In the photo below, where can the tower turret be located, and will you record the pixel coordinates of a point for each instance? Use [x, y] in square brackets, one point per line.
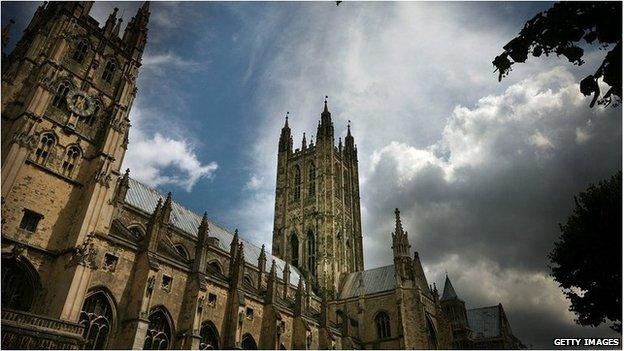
[285, 141]
[400, 241]
[135, 35]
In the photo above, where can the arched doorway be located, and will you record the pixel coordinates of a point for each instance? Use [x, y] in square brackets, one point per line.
[97, 318]
[159, 331]
[248, 343]
[20, 282]
[209, 337]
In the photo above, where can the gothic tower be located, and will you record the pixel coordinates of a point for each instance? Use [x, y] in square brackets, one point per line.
[317, 224]
[68, 87]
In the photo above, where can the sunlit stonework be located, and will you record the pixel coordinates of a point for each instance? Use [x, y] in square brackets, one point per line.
[92, 258]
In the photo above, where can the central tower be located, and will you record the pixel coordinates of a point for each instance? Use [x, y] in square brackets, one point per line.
[317, 224]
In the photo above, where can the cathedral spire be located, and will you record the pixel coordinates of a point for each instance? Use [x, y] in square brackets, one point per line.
[285, 141]
[326, 127]
[449, 292]
[304, 144]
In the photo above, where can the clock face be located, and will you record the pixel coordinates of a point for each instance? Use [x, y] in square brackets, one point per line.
[80, 103]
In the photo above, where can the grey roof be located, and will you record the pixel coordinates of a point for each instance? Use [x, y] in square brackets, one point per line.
[449, 291]
[485, 321]
[145, 199]
[374, 280]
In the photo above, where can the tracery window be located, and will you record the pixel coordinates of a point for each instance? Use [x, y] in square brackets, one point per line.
[60, 95]
[158, 335]
[337, 182]
[209, 337]
[71, 160]
[382, 322]
[294, 250]
[109, 71]
[182, 251]
[81, 51]
[43, 149]
[215, 267]
[311, 254]
[97, 318]
[248, 342]
[297, 193]
[312, 180]
[18, 289]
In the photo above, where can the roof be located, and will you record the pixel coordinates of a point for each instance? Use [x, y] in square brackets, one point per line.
[485, 321]
[145, 199]
[449, 292]
[374, 280]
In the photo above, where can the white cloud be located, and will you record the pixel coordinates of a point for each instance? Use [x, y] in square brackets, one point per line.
[161, 160]
[254, 182]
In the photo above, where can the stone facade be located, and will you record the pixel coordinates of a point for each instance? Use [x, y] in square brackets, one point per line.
[92, 258]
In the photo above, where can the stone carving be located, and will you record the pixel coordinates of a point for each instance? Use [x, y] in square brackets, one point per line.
[84, 254]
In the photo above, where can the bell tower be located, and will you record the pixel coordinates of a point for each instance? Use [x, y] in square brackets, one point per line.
[68, 87]
[317, 225]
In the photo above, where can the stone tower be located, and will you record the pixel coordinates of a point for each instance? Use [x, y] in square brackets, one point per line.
[317, 224]
[68, 87]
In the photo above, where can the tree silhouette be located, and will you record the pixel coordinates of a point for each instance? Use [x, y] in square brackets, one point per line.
[560, 30]
[587, 259]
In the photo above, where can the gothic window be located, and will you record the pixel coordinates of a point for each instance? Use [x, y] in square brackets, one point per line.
[18, 285]
[136, 231]
[431, 334]
[382, 322]
[337, 183]
[248, 282]
[349, 254]
[297, 183]
[294, 250]
[60, 95]
[97, 318]
[346, 183]
[248, 342]
[81, 50]
[158, 336]
[43, 149]
[109, 71]
[312, 180]
[209, 337]
[30, 221]
[215, 267]
[311, 254]
[71, 160]
[182, 251]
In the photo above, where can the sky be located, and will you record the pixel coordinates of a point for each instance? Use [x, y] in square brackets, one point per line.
[483, 171]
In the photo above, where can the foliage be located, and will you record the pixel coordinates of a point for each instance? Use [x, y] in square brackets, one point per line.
[587, 259]
[560, 30]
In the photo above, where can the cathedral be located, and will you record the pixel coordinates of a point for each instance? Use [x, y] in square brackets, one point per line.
[94, 259]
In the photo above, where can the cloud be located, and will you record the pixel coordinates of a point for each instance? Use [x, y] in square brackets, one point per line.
[168, 61]
[161, 160]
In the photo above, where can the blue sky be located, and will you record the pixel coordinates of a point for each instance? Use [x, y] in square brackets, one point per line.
[483, 171]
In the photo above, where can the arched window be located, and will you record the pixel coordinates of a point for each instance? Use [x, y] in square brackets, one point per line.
[18, 285]
[158, 335]
[81, 51]
[297, 182]
[214, 267]
[248, 343]
[248, 282]
[209, 337]
[337, 182]
[71, 160]
[382, 322]
[109, 71]
[431, 334]
[311, 254]
[294, 250]
[97, 318]
[182, 251]
[61, 94]
[312, 179]
[44, 147]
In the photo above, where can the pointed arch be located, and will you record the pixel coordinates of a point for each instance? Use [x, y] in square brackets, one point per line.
[294, 249]
[181, 249]
[60, 95]
[44, 147]
[109, 70]
[432, 337]
[209, 336]
[297, 172]
[137, 230]
[20, 283]
[311, 250]
[311, 179]
[160, 330]
[98, 317]
[215, 267]
[248, 342]
[382, 325]
[72, 157]
[81, 50]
